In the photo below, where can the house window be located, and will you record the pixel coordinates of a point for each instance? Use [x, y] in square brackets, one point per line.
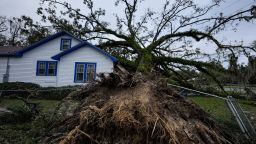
[41, 68]
[80, 73]
[90, 71]
[51, 68]
[85, 72]
[46, 68]
[65, 44]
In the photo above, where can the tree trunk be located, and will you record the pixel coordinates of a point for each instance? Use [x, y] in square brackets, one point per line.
[145, 62]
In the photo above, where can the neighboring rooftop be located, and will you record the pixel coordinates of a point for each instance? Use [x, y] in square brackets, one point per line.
[9, 50]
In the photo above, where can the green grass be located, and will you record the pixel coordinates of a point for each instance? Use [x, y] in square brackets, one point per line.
[248, 105]
[45, 105]
[28, 132]
[216, 107]
[219, 109]
[16, 133]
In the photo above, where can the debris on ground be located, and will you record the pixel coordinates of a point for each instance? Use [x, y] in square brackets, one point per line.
[120, 109]
[4, 110]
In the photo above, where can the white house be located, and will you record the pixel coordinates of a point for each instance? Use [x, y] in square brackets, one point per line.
[58, 60]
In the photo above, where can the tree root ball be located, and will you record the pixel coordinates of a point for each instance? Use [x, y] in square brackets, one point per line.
[148, 112]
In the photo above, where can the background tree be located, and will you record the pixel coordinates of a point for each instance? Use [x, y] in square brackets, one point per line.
[159, 41]
[15, 38]
[3, 28]
[33, 31]
[21, 31]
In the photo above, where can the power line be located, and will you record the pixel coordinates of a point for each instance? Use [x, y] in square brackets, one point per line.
[228, 6]
[236, 10]
[247, 5]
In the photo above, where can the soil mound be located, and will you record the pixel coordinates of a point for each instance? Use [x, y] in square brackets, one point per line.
[139, 112]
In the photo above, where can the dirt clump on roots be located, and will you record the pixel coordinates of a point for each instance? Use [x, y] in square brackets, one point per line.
[138, 112]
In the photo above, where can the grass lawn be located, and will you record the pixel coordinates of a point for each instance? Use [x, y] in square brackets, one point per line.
[248, 105]
[27, 132]
[17, 133]
[219, 109]
[45, 105]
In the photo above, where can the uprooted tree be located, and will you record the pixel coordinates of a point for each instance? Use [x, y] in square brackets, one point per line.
[159, 40]
[121, 109]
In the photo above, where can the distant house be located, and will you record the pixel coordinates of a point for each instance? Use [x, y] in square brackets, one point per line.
[58, 60]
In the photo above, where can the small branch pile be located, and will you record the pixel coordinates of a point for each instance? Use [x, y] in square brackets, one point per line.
[143, 111]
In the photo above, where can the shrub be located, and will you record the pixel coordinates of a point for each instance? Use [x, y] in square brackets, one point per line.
[28, 132]
[42, 93]
[55, 93]
[17, 86]
[19, 114]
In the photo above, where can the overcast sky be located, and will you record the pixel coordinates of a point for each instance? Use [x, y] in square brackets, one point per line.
[246, 31]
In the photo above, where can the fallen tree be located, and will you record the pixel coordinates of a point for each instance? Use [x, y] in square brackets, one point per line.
[161, 39]
[132, 109]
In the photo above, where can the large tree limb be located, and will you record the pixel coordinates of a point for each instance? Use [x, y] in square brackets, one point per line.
[91, 18]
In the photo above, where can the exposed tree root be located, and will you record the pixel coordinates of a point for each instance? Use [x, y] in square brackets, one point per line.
[147, 112]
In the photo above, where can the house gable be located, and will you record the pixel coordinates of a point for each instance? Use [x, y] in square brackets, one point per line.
[84, 55]
[45, 40]
[81, 45]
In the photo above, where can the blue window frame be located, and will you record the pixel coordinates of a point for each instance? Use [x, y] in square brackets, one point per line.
[84, 72]
[46, 68]
[65, 43]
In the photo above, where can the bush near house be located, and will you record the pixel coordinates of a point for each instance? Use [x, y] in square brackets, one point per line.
[34, 91]
[18, 114]
[22, 126]
[17, 86]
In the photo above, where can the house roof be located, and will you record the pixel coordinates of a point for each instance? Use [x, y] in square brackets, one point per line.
[19, 52]
[58, 56]
[45, 40]
[9, 50]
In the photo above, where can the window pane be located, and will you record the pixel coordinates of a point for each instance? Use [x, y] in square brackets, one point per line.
[51, 68]
[41, 65]
[41, 68]
[90, 77]
[64, 47]
[80, 68]
[90, 72]
[65, 44]
[80, 72]
[79, 77]
[51, 72]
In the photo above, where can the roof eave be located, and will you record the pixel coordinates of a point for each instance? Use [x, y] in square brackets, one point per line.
[10, 55]
[58, 56]
[55, 58]
[47, 39]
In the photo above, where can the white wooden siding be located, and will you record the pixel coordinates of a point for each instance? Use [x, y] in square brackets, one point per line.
[23, 69]
[66, 65]
[3, 63]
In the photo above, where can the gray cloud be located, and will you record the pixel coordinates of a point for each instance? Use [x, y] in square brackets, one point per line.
[245, 31]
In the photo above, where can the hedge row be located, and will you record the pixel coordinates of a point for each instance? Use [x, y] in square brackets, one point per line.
[40, 92]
